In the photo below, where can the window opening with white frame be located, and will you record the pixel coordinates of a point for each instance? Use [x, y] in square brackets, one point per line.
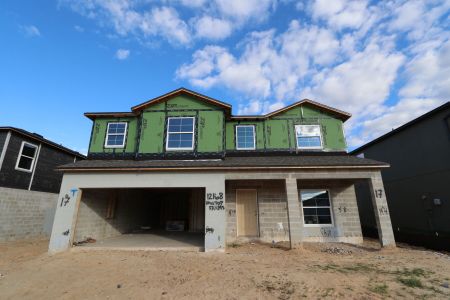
[180, 133]
[27, 156]
[316, 205]
[115, 135]
[245, 137]
[308, 136]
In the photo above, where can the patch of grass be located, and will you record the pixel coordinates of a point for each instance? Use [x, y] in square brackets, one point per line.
[410, 282]
[381, 289]
[359, 267]
[417, 272]
[235, 245]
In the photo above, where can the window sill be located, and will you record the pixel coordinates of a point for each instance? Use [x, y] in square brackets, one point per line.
[24, 170]
[114, 147]
[318, 225]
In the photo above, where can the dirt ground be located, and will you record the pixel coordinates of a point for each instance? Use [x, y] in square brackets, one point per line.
[253, 271]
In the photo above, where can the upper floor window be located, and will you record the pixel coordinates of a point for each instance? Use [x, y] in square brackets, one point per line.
[115, 135]
[316, 207]
[180, 133]
[245, 137]
[26, 158]
[308, 136]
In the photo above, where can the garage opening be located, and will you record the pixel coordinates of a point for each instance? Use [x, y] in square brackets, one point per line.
[156, 218]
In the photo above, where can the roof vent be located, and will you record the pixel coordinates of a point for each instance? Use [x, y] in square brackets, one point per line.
[38, 135]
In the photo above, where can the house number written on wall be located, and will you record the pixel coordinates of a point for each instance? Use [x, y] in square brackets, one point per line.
[379, 193]
[214, 201]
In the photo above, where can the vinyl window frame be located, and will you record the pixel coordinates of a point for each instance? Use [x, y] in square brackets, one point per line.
[313, 147]
[124, 135]
[183, 132]
[254, 137]
[330, 207]
[33, 159]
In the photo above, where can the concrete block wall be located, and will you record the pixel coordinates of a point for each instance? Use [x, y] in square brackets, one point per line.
[347, 226]
[92, 221]
[26, 214]
[272, 210]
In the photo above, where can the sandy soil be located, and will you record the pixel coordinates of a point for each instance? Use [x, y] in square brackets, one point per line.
[318, 271]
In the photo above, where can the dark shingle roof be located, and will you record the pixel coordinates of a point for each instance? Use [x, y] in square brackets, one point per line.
[40, 138]
[256, 162]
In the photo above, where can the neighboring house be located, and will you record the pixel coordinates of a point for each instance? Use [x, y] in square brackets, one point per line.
[418, 181]
[28, 161]
[29, 183]
[182, 161]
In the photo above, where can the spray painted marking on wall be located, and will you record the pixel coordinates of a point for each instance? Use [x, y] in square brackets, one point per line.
[379, 193]
[64, 200]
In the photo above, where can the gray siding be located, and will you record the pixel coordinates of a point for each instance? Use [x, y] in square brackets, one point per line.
[420, 172]
[46, 179]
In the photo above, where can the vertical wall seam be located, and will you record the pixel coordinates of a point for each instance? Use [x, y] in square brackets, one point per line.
[35, 165]
[5, 146]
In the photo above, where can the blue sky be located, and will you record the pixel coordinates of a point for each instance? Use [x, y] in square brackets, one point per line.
[385, 62]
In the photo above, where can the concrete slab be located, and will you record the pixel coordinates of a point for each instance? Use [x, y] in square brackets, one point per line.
[149, 241]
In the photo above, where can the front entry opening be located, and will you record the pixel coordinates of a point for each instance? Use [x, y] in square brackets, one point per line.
[141, 218]
[246, 210]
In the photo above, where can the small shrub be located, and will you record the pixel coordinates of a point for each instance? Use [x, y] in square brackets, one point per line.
[381, 289]
[411, 282]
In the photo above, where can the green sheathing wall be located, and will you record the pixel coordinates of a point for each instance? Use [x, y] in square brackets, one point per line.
[98, 137]
[152, 132]
[210, 131]
[278, 132]
[332, 133]
[209, 124]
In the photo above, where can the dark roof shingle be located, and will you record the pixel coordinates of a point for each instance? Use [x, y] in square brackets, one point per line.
[256, 162]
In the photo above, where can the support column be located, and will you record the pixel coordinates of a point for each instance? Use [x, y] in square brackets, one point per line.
[65, 217]
[381, 210]
[295, 214]
[215, 217]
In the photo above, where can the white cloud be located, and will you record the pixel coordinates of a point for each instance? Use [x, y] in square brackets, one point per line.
[242, 11]
[127, 19]
[78, 28]
[30, 30]
[167, 23]
[122, 54]
[268, 63]
[362, 81]
[351, 55]
[212, 28]
[392, 117]
[341, 13]
[213, 20]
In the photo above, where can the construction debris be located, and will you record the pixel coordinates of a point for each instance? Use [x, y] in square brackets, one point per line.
[337, 250]
[87, 240]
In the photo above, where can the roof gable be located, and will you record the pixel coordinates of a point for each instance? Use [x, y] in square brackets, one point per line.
[180, 92]
[344, 116]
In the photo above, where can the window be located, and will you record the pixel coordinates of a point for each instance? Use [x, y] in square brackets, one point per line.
[27, 155]
[316, 207]
[245, 137]
[115, 136]
[180, 133]
[308, 136]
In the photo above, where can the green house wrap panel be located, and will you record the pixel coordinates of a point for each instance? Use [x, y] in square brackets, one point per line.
[152, 132]
[333, 134]
[277, 134]
[99, 135]
[210, 131]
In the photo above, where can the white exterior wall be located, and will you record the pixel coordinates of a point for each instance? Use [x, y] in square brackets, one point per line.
[73, 184]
